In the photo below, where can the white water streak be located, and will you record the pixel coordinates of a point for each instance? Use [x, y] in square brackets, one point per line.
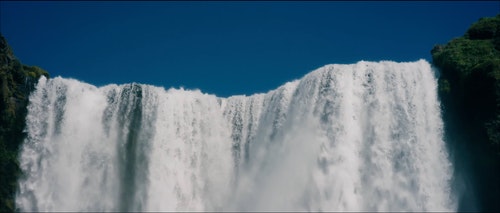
[361, 137]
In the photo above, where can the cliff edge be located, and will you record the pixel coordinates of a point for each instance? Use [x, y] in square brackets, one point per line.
[469, 89]
[16, 83]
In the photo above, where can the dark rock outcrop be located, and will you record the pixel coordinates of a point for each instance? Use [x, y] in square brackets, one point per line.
[16, 83]
[469, 89]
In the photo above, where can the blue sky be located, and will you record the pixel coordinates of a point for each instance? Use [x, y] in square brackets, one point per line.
[225, 48]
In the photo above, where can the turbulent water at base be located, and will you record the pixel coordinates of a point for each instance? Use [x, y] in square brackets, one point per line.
[360, 137]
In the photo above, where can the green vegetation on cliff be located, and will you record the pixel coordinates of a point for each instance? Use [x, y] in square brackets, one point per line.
[470, 74]
[469, 89]
[16, 82]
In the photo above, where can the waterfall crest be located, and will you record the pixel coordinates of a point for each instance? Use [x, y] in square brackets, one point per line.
[360, 137]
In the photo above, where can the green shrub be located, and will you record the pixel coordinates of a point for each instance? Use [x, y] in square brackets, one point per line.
[485, 28]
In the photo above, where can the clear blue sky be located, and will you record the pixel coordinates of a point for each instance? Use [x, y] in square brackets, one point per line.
[225, 48]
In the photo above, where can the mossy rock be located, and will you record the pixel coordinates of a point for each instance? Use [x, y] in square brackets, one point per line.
[16, 83]
[35, 72]
[485, 28]
[444, 86]
[469, 90]
[461, 55]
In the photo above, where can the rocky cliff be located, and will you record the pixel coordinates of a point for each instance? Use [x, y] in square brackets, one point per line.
[469, 89]
[16, 82]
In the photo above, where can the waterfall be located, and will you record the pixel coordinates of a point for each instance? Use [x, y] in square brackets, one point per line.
[360, 137]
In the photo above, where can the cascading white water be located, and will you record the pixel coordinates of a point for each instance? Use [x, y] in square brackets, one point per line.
[361, 137]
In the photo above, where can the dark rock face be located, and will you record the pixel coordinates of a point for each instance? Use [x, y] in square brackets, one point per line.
[469, 88]
[16, 83]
